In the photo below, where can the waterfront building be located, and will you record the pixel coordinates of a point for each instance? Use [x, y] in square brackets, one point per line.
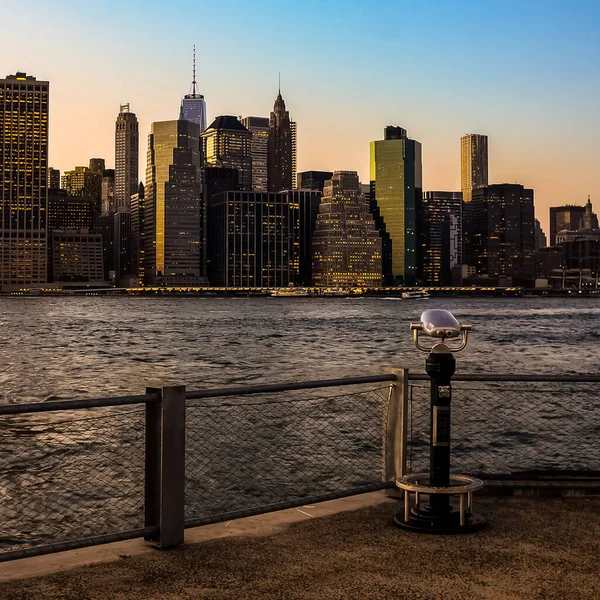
[540, 236]
[138, 234]
[548, 259]
[193, 106]
[294, 132]
[23, 180]
[396, 190]
[69, 212]
[440, 238]
[126, 158]
[108, 192]
[313, 180]
[122, 248]
[473, 163]
[280, 148]
[503, 234]
[174, 252]
[306, 205]
[227, 143]
[76, 256]
[565, 218]
[346, 244]
[259, 127]
[53, 179]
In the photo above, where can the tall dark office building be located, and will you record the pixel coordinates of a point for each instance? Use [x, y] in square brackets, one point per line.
[227, 143]
[122, 248]
[440, 238]
[565, 218]
[540, 236]
[174, 252]
[503, 234]
[69, 212]
[108, 192]
[53, 179]
[23, 180]
[280, 161]
[313, 180]
[396, 190]
[138, 234]
[259, 127]
[126, 157]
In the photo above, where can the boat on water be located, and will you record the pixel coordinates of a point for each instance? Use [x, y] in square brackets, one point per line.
[415, 295]
[289, 294]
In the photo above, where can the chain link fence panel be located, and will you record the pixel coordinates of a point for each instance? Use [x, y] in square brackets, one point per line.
[63, 477]
[243, 453]
[511, 428]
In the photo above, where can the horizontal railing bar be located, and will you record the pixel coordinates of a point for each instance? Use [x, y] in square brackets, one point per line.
[261, 510]
[285, 387]
[38, 407]
[491, 377]
[76, 544]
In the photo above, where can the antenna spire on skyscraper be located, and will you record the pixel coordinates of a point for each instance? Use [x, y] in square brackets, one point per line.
[194, 73]
[280, 83]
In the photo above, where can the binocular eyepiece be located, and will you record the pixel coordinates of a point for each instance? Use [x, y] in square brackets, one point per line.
[440, 324]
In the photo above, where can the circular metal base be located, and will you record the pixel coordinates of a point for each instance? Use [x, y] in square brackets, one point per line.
[422, 520]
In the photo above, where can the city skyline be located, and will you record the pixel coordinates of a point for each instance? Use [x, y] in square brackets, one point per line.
[525, 97]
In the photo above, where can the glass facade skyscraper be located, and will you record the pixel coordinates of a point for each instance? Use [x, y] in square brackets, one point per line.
[396, 190]
[346, 244]
[193, 106]
[174, 252]
[23, 180]
[259, 127]
[473, 163]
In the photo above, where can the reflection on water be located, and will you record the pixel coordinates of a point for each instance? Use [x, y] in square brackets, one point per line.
[98, 346]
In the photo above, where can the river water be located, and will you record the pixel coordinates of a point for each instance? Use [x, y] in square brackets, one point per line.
[92, 346]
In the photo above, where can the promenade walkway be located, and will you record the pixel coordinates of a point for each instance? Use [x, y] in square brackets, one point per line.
[533, 548]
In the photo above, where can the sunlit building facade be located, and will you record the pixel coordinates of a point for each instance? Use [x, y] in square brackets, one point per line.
[23, 180]
[259, 127]
[126, 157]
[84, 181]
[346, 244]
[227, 143]
[396, 190]
[565, 218]
[174, 253]
[473, 163]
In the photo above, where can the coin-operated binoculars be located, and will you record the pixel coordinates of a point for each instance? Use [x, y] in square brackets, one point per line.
[438, 514]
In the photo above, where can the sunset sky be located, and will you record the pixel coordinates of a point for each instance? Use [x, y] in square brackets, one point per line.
[526, 73]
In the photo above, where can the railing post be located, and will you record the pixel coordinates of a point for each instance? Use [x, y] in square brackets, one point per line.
[396, 427]
[165, 501]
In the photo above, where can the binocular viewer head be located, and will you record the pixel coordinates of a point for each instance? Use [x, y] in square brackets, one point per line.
[440, 324]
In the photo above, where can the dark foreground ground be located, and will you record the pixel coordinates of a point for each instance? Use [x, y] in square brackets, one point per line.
[532, 548]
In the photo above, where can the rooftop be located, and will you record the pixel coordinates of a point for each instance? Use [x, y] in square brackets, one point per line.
[532, 548]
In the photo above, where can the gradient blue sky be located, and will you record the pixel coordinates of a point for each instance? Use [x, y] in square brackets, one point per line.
[526, 73]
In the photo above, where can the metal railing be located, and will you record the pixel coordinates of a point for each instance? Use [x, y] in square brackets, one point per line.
[84, 472]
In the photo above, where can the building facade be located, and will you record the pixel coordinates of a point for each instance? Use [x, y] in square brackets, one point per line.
[122, 248]
[503, 234]
[24, 105]
[174, 252]
[69, 212]
[53, 179]
[440, 238]
[76, 256]
[227, 143]
[126, 157]
[565, 218]
[83, 181]
[193, 105]
[346, 244]
[138, 234]
[396, 191]
[259, 127]
[294, 131]
[313, 180]
[280, 148]
[109, 206]
[473, 163]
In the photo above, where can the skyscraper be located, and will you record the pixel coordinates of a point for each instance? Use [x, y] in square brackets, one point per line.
[174, 252]
[193, 106]
[53, 179]
[280, 148]
[440, 237]
[294, 130]
[126, 157]
[108, 192]
[346, 244]
[396, 190]
[23, 180]
[313, 180]
[227, 143]
[259, 127]
[138, 234]
[565, 218]
[83, 181]
[473, 163]
[504, 234]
